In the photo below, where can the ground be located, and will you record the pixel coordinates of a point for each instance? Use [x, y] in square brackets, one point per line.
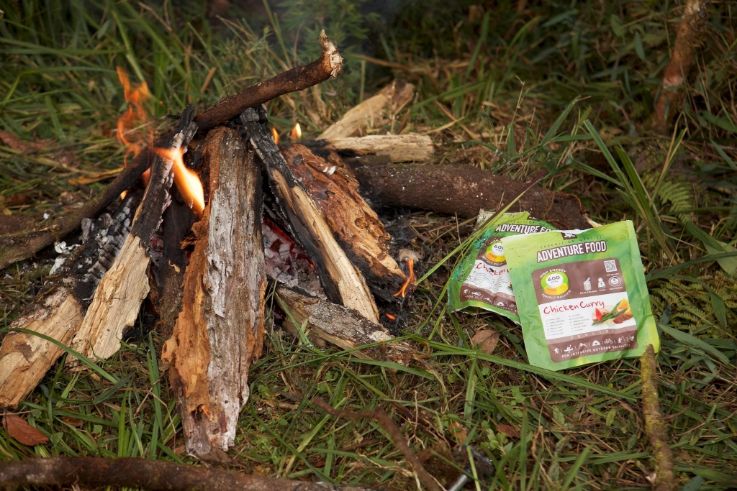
[509, 87]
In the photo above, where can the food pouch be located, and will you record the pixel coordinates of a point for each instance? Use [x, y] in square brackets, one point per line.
[481, 279]
[581, 295]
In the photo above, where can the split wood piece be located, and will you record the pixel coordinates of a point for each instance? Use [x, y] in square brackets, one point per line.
[342, 280]
[334, 189]
[409, 147]
[57, 313]
[463, 190]
[373, 112]
[19, 246]
[124, 286]
[153, 475]
[327, 66]
[220, 329]
[338, 325]
[688, 38]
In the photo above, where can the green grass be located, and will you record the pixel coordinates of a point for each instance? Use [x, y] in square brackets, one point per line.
[563, 87]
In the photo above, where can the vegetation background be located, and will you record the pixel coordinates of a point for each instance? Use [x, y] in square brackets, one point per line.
[512, 87]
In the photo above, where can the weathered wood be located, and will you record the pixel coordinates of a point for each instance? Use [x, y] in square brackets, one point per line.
[329, 322]
[153, 475]
[359, 231]
[58, 311]
[123, 288]
[328, 65]
[342, 281]
[408, 147]
[373, 112]
[219, 331]
[463, 190]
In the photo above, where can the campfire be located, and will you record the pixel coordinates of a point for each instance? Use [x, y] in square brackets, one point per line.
[245, 211]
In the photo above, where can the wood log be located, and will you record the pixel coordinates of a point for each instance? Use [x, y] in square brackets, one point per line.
[342, 281]
[153, 475]
[463, 190]
[124, 286]
[327, 66]
[356, 226]
[408, 147]
[220, 329]
[373, 112]
[59, 309]
[332, 323]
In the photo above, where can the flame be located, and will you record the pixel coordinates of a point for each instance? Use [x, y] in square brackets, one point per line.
[410, 279]
[129, 133]
[275, 135]
[296, 133]
[187, 181]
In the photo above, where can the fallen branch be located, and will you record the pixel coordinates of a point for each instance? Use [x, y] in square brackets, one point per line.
[328, 65]
[17, 247]
[655, 427]
[408, 147]
[463, 190]
[386, 423]
[220, 328]
[688, 38]
[154, 475]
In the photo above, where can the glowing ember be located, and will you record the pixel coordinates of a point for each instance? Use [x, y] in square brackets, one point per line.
[187, 181]
[132, 128]
[275, 135]
[296, 132]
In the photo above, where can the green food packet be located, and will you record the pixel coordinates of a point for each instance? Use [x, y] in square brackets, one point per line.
[481, 279]
[581, 295]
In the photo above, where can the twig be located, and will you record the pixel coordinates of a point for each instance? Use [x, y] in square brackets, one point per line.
[328, 65]
[654, 425]
[688, 38]
[378, 415]
[154, 475]
[18, 247]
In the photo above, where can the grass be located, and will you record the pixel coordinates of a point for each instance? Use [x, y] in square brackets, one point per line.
[563, 87]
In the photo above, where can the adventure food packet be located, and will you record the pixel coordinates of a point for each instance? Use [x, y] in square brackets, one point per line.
[581, 295]
[481, 279]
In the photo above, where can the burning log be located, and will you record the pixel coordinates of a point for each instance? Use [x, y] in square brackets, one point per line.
[464, 189]
[409, 147]
[327, 66]
[123, 288]
[25, 357]
[342, 281]
[375, 111]
[338, 325]
[356, 226]
[219, 331]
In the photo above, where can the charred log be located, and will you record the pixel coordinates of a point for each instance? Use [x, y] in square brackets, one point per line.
[219, 331]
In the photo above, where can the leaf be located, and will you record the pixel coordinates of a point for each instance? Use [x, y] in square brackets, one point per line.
[508, 430]
[713, 246]
[22, 432]
[694, 342]
[485, 340]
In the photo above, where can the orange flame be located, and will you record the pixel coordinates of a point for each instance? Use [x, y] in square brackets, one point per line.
[128, 126]
[409, 281]
[275, 135]
[186, 180]
[296, 133]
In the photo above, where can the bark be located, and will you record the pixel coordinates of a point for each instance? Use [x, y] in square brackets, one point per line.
[220, 329]
[154, 475]
[58, 311]
[338, 325]
[463, 190]
[124, 286]
[409, 147]
[655, 427]
[356, 226]
[17, 247]
[373, 112]
[688, 39]
[327, 66]
[342, 281]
